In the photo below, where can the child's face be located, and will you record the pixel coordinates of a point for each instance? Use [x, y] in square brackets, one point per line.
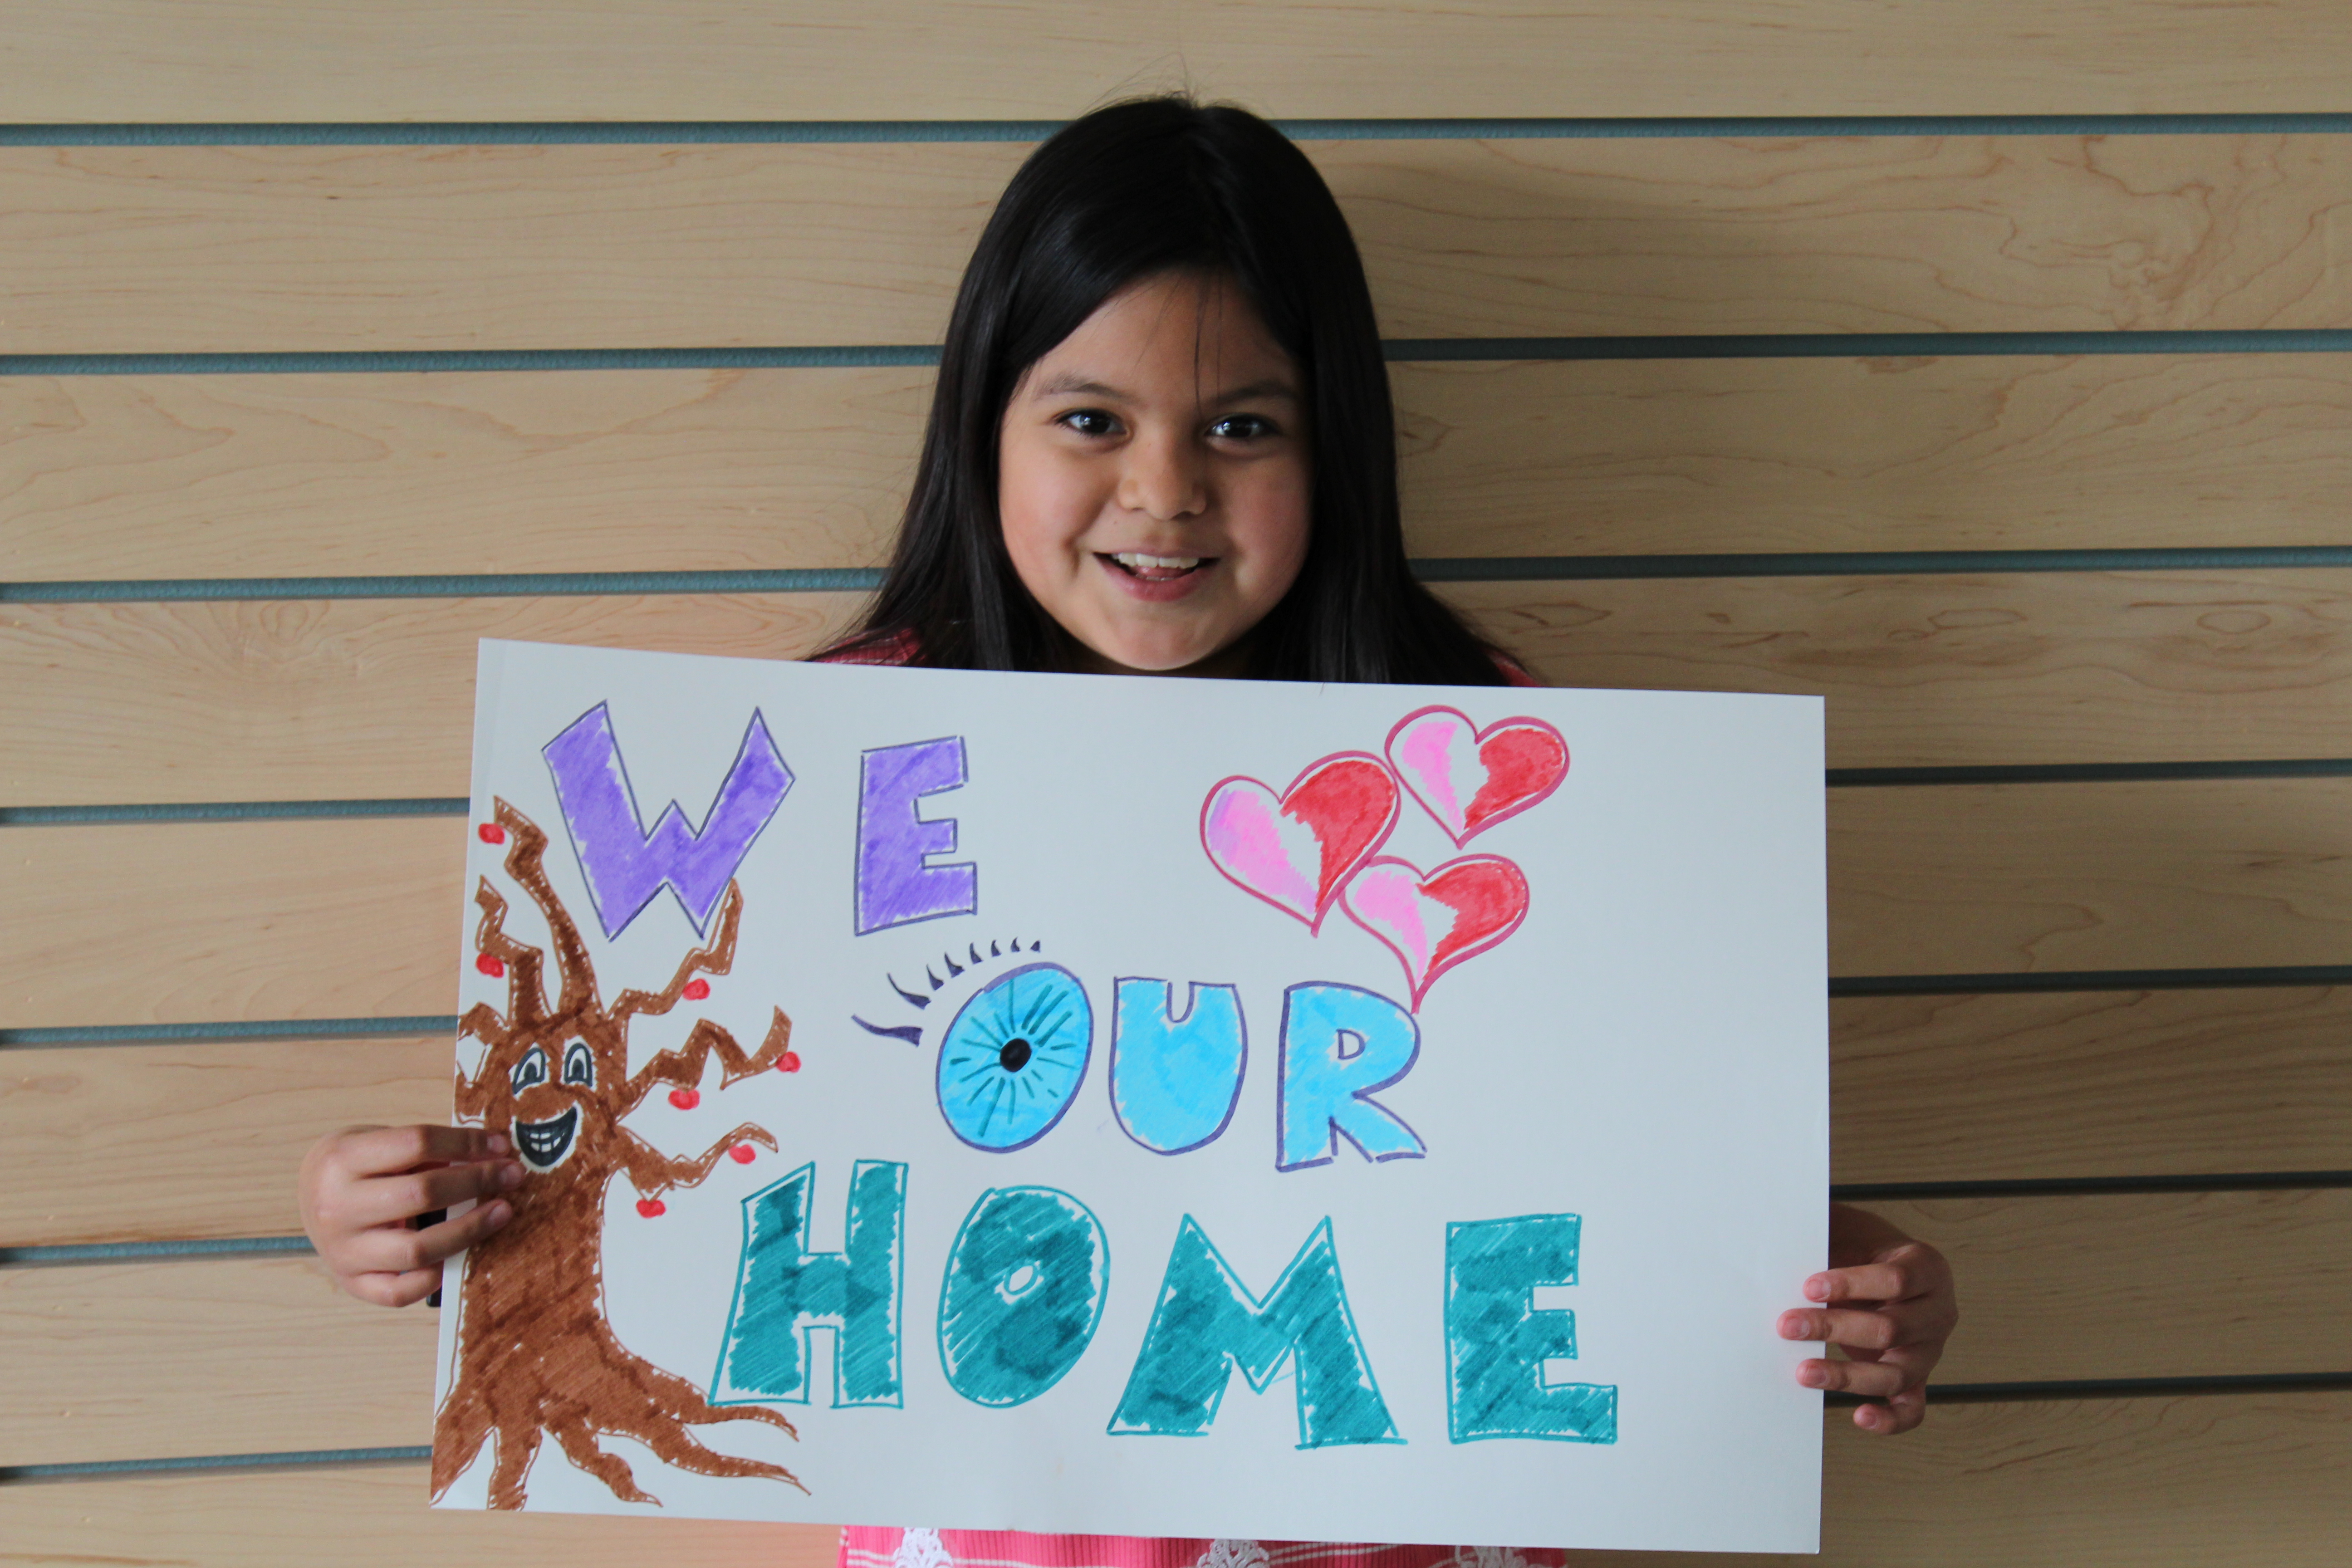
[1154, 481]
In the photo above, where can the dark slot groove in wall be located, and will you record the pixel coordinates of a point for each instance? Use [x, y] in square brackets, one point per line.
[1836, 778]
[348, 134]
[147, 1251]
[229, 811]
[2239, 979]
[2047, 1390]
[2089, 773]
[95, 1468]
[1442, 569]
[1870, 563]
[254, 1029]
[2009, 984]
[1693, 345]
[2092, 1186]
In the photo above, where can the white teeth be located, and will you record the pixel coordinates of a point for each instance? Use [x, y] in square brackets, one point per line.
[1135, 561]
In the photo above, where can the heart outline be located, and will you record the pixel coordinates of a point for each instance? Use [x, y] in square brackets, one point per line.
[1478, 739]
[1442, 959]
[1334, 881]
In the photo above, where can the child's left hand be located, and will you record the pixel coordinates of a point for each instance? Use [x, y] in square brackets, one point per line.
[1889, 1302]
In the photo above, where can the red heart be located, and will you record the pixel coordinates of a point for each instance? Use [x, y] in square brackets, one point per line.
[743, 1153]
[1471, 779]
[789, 1062]
[1347, 803]
[491, 833]
[1433, 922]
[696, 990]
[651, 1208]
[686, 1098]
[490, 966]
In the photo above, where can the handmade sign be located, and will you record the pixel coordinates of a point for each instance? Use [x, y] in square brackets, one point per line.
[1149, 1107]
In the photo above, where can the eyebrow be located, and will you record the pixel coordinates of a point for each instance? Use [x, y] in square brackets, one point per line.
[1070, 382]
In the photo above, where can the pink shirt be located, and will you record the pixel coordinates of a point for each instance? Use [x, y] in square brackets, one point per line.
[869, 1546]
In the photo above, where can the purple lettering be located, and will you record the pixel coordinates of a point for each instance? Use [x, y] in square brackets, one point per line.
[623, 863]
[894, 884]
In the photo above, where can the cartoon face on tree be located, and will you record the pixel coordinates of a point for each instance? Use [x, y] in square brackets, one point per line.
[536, 1357]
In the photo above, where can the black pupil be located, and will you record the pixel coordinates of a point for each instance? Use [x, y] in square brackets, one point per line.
[1015, 1056]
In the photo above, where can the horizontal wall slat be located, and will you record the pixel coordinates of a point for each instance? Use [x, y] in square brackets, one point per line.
[2087, 1084]
[356, 917]
[190, 1141]
[312, 248]
[360, 699]
[200, 1140]
[2002, 878]
[299, 475]
[155, 702]
[921, 59]
[125, 1360]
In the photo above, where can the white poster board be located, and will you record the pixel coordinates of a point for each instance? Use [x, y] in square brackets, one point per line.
[1143, 1106]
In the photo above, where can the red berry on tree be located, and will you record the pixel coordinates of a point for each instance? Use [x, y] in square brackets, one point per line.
[743, 1153]
[651, 1208]
[696, 990]
[491, 833]
[492, 966]
[789, 1062]
[686, 1098]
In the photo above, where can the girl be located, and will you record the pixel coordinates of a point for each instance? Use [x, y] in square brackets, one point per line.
[1161, 444]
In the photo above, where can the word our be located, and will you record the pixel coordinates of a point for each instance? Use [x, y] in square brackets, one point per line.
[1015, 1055]
[1022, 1294]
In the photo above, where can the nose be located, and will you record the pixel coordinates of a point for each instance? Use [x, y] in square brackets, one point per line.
[1164, 477]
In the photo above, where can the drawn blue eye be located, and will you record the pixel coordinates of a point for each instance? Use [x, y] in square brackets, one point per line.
[579, 1064]
[1014, 1058]
[532, 1070]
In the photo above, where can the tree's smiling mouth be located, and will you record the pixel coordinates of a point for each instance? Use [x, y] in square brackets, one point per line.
[543, 1144]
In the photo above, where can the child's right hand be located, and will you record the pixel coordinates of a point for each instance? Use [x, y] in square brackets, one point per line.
[360, 1187]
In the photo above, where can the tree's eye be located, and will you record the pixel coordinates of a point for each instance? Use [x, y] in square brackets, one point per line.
[579, 1065]
[1091, 422]
[1243, 428]
[532, 1070]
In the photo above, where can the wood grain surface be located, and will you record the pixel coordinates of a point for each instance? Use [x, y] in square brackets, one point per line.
[520, 246]
[1929, 1089]
[296, 475]
[191, 1140]
[892, 60]
[373, 698]
[165, 922]
[144, 1142]
[128, 1361]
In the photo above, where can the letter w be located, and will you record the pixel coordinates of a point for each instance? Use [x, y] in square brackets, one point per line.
[625, 865]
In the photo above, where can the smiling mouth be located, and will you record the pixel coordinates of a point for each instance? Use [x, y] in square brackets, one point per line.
[543, 1144]
[1156, 568]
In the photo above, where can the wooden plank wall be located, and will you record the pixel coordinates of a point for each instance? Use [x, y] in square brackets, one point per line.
[333, 338]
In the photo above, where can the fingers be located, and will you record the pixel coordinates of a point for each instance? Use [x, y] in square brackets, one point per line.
[385, 1199]
[404, 1289]
[389, 1249]
[388, 1150]
[1870, 1379]
[1899, 1413]
[1882, 1329]
[1904, 1273]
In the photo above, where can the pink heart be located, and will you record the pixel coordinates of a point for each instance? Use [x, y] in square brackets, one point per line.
[1297, 849]
[1433, 922]
[1472, 779]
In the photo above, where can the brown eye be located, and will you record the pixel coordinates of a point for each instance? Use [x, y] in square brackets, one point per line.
[1090, 422]
[1243, 428]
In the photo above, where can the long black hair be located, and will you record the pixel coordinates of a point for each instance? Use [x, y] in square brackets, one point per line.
[1137, 190]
